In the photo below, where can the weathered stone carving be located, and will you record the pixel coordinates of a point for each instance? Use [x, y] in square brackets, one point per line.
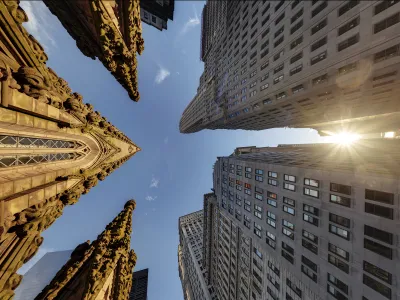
[110, 252]
[97, 35]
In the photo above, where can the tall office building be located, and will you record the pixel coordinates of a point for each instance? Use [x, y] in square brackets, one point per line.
[305, 222]
[139, 285]
[328, 65]
[41, 274]
[156, 13]
[190, 250]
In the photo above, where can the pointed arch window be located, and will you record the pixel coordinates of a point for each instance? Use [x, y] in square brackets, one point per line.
[26, 159]
[9, 141]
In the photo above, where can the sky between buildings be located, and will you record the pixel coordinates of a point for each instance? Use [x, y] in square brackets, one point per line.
[172, 172]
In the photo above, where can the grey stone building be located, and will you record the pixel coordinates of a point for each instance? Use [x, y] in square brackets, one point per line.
[305, 222]
[157, 12]
[328, 65]
[190, 251]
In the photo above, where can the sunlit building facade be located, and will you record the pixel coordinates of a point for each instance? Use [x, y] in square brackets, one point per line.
[305, 222]
[327, 65]
[190, 251]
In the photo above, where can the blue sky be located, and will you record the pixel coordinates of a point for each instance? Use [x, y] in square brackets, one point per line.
[172, 172]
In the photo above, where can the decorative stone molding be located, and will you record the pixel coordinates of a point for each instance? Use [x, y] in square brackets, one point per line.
[110, 252]
[96, 35]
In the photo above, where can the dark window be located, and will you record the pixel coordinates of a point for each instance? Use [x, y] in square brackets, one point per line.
[288, 257]
[319, 8]
[265, 20]
[320, 79]
[378, 234]
[339, 251]
[310, 246]
[311, 209]
[387, 53]
[296, 27]
[341, 188]
[296, 42]
[266, 9]
[377, 286]
[339, 231]
[274, 268]
[279, 31]
[348, 26]
[287, 248]
[379, 196]
[339, 220]
[378, 248]
[349, 42]
[278, 68]
[310, 219]
[379, 210]
[386, 23]
[279, 41]
[296, 16]
[338, 263]
[308, 235]
[319, 26]
[338, 283]
[278, 6]
[293, 287]
[296, 70]
[294, 3]
[264, 33]
[344, 201]
[280, 18]
[313, 266]
[377, 272]
[384, 5]
[349, 5]
[296, 57]
[309, 273]
[318, 58]
[319, 44]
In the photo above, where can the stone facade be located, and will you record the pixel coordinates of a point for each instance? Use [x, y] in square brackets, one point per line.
[190, 251]
[108, 30]
[101, 270]
[327, 65]
[311, 221]
[53, 147]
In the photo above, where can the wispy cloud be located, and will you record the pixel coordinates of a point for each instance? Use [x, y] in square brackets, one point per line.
[150, 198]
[161, 75]
[154, 182]
[166, 140]
[41, 252]
[191, 23]
[39, 24]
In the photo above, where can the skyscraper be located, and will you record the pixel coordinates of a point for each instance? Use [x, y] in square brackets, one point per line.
[305, 222]
[190, 251]
[41, 274]
[157, 13]
[139, 285]
[328, 65]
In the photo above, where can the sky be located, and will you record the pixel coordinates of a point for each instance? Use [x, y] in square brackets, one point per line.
[169, 177]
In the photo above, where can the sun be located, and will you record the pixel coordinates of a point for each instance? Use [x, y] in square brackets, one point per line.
[344, 138]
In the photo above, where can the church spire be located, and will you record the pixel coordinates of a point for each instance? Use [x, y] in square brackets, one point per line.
[99, 269]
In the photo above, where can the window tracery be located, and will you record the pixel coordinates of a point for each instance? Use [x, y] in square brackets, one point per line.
[27, 159]
[9, 141]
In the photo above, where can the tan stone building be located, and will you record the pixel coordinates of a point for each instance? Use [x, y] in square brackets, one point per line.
[53, 147]
[100, 270]
[110, 30]
[328, 65]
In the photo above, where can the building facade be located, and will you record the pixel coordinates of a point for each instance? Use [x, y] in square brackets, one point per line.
[156, 13]
[305, 222]
[110, 30]
[53, 146]
[190, 251]
[41, 274]
[328, 65]
[140, 281]
[101, 269]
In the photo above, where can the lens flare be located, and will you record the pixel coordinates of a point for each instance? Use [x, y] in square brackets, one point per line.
[344, 138]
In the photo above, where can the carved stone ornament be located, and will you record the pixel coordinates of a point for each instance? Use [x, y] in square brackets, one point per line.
[110, 252]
